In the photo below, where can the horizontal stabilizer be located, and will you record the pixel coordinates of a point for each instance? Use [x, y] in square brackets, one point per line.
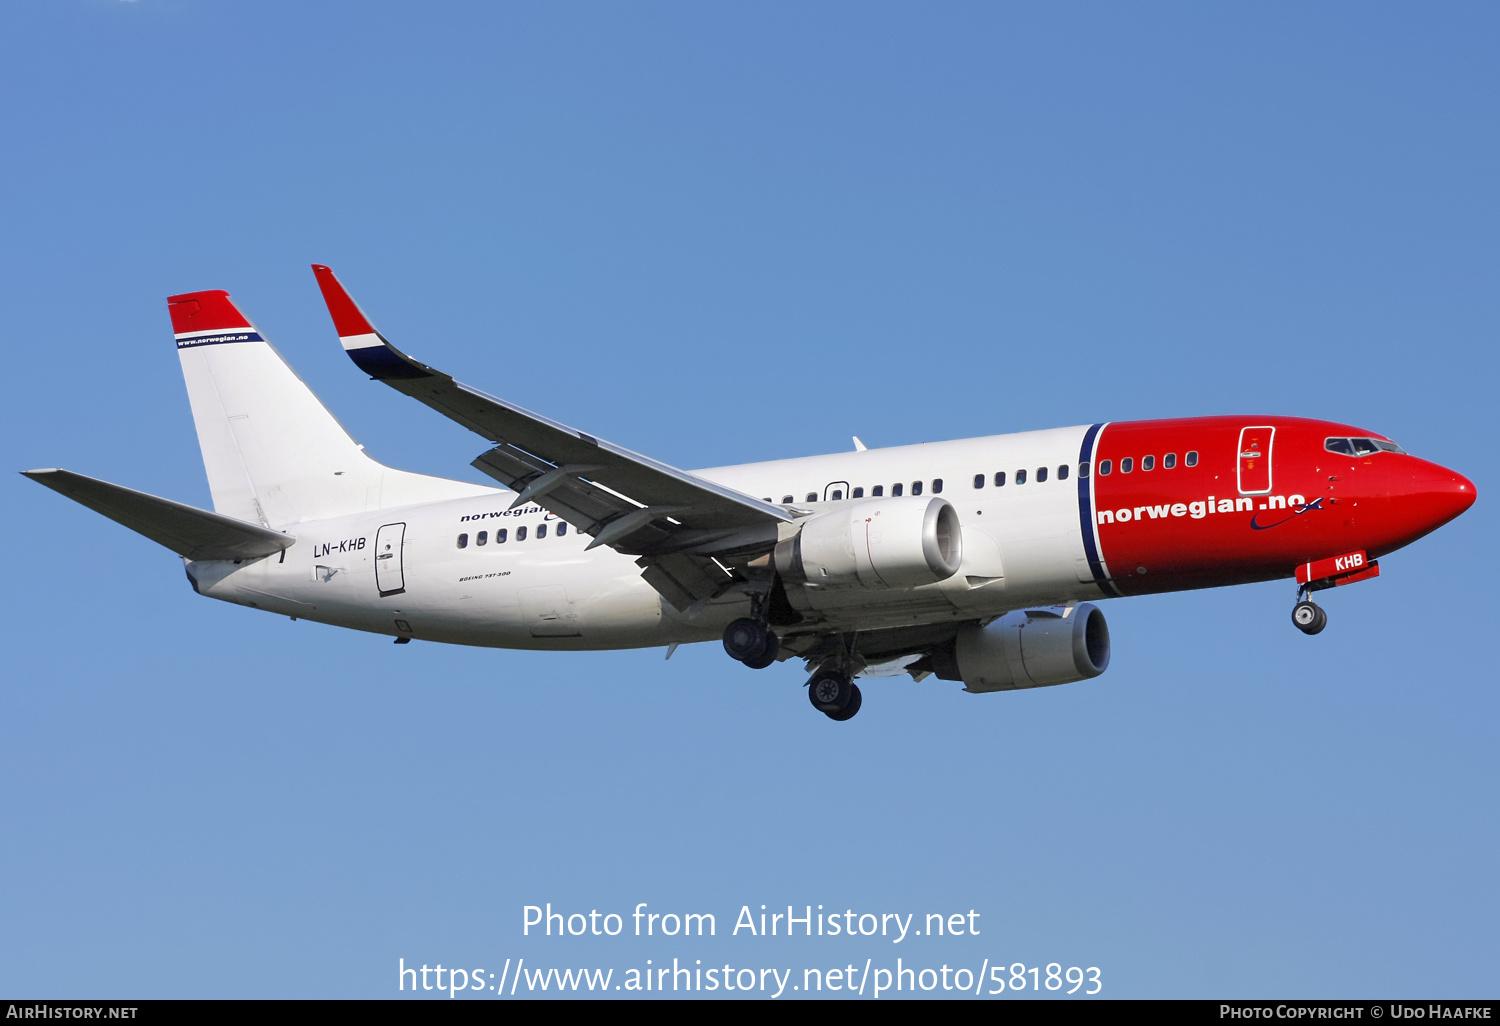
[186, 530]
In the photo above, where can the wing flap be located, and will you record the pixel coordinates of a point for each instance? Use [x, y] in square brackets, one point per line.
[186, 530]
[684, 580]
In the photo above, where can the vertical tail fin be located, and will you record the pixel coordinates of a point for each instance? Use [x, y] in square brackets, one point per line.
[273, 452]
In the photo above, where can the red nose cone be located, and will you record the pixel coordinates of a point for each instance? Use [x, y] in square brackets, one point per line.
[1437, 495]
[1461, 495]
[1408, 497]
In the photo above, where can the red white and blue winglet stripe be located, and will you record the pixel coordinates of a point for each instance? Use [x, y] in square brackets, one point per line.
[365, 346]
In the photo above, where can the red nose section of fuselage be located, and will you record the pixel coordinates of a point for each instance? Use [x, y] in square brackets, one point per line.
[1420, 497]
[1457, 492]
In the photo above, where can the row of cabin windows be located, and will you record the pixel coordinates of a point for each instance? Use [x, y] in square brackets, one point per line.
[1106, 467]
[876, 491]
[1041, 475]
[483, 537]
[1127, 465]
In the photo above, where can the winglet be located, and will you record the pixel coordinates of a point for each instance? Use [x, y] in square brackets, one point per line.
[370, 351]
[208, 318]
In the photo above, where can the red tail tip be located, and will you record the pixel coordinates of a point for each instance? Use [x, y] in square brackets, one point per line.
[204, 311]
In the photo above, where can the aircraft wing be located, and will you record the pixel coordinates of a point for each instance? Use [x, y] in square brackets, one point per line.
[635, 504]
[186, 530]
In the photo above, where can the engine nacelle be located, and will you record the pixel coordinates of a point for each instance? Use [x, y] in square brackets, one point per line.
[880, 543]
[1029, 648]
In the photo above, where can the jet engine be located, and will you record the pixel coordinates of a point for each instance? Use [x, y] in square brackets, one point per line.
[1028, 648]
[880, 543]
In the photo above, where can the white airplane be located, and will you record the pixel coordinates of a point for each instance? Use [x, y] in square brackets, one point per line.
[972, 560]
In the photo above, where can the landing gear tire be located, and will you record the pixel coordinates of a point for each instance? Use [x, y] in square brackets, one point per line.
[849, 710]
[831, 693]
[1309, 617]
[751, 642]
[768, 656]
[746, 639]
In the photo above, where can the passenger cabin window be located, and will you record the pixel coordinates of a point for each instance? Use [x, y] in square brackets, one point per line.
[1062, 472]
[999, 479]
[916, 487]
[562, 528]
[811, 497]
[877, 491]
[978, 480]
[463, 541]
[895, 489]
[481, 538]
[937, 486]
[1192, 459]
[1020, 477]
[838, 493]
[1148, 462]
[1127, 465]
[1083, 469]
[1041, 474]
[541, 530]
[1105, 467]
[520, 534]
[501, 535]
[858, 493]
[1169, 461]
[786, 499]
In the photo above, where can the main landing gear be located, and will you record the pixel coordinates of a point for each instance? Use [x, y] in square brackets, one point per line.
[1307, 615]
[834, 695]
[831, 690]
[752, 642]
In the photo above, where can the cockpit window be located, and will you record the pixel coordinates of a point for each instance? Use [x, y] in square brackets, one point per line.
[1360, 446]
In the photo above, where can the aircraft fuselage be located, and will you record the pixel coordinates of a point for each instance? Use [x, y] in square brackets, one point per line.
[1048, 517]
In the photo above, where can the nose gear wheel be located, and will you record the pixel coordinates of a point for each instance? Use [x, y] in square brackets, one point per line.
[1309, 617]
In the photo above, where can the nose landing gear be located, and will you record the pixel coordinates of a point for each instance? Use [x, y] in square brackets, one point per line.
[1309, 617]
[1321, 574]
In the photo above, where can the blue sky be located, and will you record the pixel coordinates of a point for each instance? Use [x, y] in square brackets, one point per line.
[718, 234]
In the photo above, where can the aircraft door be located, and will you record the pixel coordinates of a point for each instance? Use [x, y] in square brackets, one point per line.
[1255, 460]
[390, 575]
[836, 490]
